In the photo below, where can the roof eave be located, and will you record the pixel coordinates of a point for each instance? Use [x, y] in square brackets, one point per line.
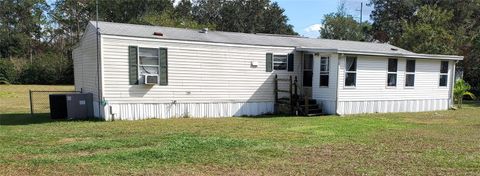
[373, 53]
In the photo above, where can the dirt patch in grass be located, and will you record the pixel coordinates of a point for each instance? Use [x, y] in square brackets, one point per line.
[69, 140]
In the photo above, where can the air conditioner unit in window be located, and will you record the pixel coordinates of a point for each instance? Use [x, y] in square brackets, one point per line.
[151, 79]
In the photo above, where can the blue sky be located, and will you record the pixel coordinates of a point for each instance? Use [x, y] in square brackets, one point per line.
[306, 15]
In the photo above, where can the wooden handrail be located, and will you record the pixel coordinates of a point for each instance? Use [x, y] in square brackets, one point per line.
[292, 92]
[275, 88]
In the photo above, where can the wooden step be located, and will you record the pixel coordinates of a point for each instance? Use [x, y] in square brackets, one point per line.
[314, 111]
[310, 101]
[310, 106]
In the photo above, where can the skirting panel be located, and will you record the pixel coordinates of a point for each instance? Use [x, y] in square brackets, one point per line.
[192, 110]
[328, 106]
[386, 106]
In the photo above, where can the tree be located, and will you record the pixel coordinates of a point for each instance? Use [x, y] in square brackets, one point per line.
[341, 26]
[429, 32]
[462, 89]
[126, 11]
[21, 27]
[276, 22]
[184, 10]
[7, 72]
[249, 16]
[388, 17]
[167, 18]
[207, 11]
[71, 18]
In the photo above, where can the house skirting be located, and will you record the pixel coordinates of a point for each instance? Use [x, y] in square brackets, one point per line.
[140, 111]
[388, 106]
[328, 106]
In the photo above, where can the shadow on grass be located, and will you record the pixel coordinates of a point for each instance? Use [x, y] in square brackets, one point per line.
[27, 119]
[264, 116]
[471, 103]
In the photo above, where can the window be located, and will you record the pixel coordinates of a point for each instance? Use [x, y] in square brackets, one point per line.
[392, 72]
[307, 70]
[148, 62]
[443, 73]
[410, 74]
[351, 71]
[324, 71]
[280, 62]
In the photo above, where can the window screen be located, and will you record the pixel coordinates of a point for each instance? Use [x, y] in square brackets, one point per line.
[410, 73]
[351, 71]
[280, 62]
[392, 72]
[148, 62]
[443, 73]
[324, 71]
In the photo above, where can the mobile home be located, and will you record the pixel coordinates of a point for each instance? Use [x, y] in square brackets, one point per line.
[139, 72]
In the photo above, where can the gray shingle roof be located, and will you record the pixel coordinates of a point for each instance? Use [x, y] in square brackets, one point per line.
[146, 31]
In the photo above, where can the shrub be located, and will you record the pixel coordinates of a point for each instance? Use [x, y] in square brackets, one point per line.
[462, 89]
[49, 68]
[7, 71]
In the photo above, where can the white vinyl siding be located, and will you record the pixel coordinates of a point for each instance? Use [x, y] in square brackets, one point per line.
[371, 95]
[85, 63]
[325, 95]
[198, 72]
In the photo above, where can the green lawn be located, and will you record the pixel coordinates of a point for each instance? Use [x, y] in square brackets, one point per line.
[432, 143]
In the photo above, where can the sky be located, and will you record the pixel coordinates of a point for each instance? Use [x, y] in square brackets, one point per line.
[306, 15]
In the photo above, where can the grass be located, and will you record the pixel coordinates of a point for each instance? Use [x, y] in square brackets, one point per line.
[430, 143]
[15, 98]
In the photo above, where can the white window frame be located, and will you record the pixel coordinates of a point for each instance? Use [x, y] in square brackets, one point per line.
[286, 62]
[139, 65]
[346, 72]
[324, 72]
[389, 72]
[443, 74]
[410, 73]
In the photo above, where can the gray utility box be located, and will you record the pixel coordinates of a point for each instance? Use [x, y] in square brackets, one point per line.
[71, 106]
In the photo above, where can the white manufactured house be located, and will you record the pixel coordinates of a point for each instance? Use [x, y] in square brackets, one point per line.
[160, 72]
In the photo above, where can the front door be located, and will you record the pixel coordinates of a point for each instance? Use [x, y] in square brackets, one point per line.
[307, 74]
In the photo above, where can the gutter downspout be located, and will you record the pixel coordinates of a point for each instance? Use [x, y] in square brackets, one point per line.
[98, 62]
[452, 85]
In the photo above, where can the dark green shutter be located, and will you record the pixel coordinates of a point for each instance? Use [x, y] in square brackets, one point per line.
[269, 62]
[163, 66]
[290, 62]
[133, 65]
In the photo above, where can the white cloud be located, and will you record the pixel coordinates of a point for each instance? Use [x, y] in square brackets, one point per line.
[312, 31]
[313, 28]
